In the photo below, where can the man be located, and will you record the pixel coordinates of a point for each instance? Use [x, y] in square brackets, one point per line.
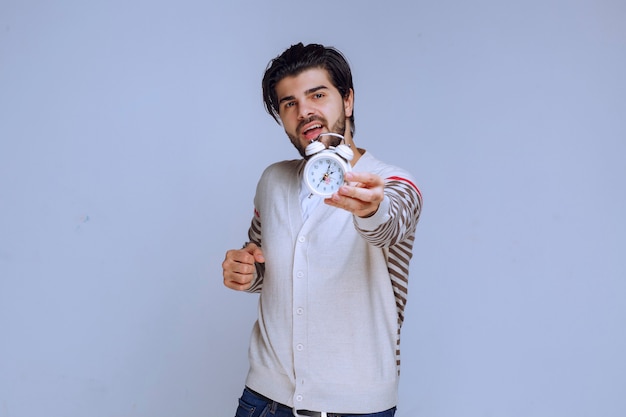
[332, 272]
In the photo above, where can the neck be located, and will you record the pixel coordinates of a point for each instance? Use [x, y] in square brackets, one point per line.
[357, 152]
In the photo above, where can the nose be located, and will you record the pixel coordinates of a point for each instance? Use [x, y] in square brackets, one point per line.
[305, 110]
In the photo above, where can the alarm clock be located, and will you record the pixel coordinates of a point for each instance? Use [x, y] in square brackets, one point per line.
[325, 170]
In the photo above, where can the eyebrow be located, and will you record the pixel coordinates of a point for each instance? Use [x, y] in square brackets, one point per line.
[306, 93]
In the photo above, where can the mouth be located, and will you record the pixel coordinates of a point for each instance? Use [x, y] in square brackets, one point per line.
[312, 131]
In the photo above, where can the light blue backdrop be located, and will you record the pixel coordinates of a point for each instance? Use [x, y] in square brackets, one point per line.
[132, 134]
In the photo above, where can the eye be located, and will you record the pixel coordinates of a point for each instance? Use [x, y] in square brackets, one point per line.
[318, 95]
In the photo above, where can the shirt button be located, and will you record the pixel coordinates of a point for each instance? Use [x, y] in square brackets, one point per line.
[300, 311]
[300, 346]
[301, 239]
[298, 397]
[300, 274]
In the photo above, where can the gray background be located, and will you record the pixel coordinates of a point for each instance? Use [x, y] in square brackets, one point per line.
[132, 134]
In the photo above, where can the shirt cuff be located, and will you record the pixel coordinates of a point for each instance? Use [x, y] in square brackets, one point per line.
[372, 222]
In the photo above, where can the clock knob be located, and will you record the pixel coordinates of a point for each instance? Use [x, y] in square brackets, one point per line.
[313, 148]
[345, 152]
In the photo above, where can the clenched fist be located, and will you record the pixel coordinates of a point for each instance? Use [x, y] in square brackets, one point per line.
[239, 268]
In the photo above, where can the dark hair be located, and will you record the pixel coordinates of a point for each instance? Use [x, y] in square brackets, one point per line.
[299, 58]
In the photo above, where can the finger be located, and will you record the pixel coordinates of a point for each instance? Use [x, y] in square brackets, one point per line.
[364, 179]
[237, 285]
[235, 279]
[236, 267]
[258, 255]
[243, 256]
[366, 195]
[351, 204]
[255, 251]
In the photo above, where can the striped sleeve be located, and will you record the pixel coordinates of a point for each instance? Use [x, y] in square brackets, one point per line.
[396, 233]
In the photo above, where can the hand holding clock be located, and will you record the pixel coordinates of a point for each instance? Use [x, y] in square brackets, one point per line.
[361, 196]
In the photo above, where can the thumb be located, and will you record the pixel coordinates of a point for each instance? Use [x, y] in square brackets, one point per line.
[258, 255]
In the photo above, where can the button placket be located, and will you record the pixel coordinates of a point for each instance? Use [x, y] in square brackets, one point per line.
[299, 317]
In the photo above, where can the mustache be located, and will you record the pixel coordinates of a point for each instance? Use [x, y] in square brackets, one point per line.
[309, 120]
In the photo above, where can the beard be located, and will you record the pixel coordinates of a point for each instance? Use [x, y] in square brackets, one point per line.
[339, 127]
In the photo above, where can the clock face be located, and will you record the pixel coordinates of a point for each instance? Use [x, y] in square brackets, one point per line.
[324, 175]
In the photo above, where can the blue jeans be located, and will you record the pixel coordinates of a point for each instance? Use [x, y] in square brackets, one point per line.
[252, 404]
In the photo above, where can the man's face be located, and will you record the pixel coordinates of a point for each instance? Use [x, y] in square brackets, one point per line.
[309, 104]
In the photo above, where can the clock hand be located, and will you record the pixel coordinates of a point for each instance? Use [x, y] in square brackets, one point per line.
[329, 173]
[326, 175]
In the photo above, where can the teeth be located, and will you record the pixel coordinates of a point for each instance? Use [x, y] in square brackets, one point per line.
[313, 127]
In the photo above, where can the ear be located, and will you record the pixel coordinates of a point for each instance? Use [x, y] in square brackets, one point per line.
[348, 103]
